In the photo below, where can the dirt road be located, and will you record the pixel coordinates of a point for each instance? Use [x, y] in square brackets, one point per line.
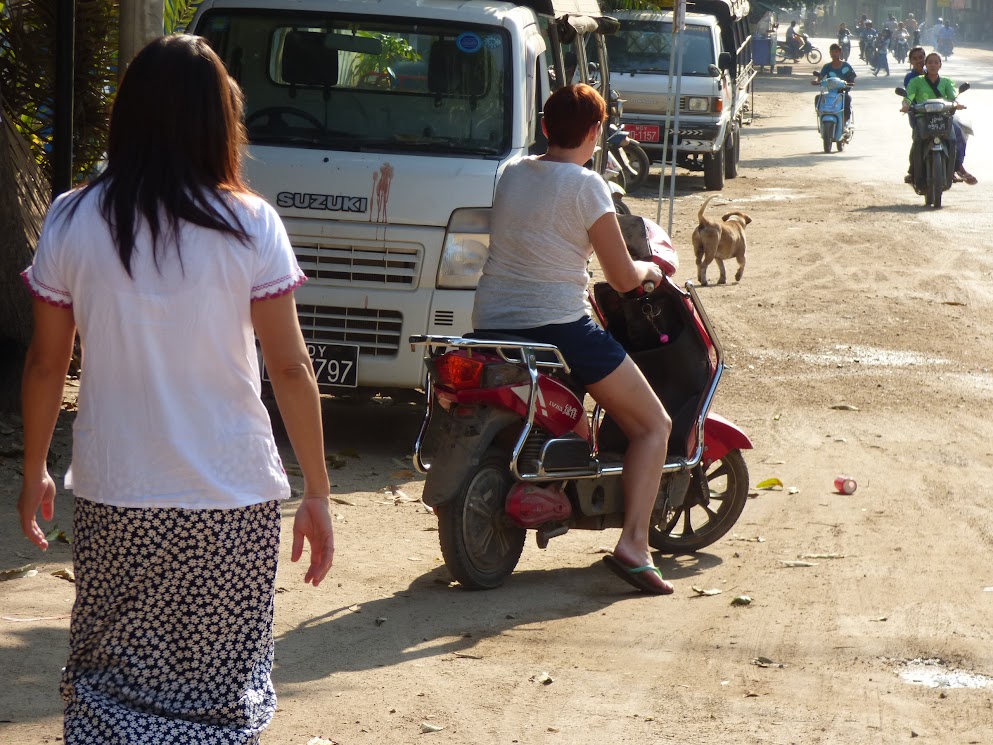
[858, 344]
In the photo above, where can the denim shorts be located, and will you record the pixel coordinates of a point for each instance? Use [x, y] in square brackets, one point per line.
[591, 352]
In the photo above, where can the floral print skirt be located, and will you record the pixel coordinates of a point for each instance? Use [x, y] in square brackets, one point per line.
[171, 634]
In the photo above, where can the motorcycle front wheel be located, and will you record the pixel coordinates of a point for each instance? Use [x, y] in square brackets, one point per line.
[935, 180]
[479, 543]
[696, 524]
[814, 56]
[827, 142]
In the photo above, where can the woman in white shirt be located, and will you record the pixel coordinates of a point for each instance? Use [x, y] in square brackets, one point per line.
[169, 267]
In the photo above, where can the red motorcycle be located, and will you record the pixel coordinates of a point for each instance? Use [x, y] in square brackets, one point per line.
[508, 446]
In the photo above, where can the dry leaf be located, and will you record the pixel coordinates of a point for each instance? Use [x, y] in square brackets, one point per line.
[845, 407]
[339, 500]
[466, 656]
[427, 727]
[28, 570]
[881, 618]
[544, 678]
[742, 600]
[787, 563]
[701, 591]
[793, 490]
[65, 574]
[822, 556]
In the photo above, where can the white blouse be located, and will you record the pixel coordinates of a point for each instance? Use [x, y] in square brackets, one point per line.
[170, 413]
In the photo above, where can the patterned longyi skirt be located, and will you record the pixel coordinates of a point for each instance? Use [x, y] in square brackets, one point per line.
[171, 634]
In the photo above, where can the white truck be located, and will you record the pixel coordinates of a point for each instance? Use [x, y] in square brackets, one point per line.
[714, 88]
[378, 129]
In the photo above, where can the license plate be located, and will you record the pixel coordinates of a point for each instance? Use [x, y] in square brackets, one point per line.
[643, 132]
[334, 364]
[936, 123]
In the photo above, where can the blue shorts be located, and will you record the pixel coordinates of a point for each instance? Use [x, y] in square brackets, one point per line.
[591, 352]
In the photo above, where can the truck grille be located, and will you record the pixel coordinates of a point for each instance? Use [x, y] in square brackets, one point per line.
[359, 266]
[376, 332]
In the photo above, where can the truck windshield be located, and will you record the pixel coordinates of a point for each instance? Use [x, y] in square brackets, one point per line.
[646, 46]
[364, 84]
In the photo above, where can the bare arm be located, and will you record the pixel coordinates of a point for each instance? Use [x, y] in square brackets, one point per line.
[41, 392]
[619, 269]
[298, 398]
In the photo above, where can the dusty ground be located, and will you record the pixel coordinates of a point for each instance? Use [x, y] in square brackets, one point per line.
[857, 343]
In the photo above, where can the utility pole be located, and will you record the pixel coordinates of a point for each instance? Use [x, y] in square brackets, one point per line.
[65, 46]
[141, 21]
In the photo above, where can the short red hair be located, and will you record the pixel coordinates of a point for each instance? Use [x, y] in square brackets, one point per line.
[570, 112]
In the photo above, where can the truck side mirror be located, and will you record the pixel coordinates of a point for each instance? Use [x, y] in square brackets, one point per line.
[724, 61]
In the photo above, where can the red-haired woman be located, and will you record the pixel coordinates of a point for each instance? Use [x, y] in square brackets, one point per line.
[550, 214]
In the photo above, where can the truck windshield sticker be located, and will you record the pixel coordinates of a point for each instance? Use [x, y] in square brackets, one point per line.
[329, 202]
[491, 41]
[469, 42]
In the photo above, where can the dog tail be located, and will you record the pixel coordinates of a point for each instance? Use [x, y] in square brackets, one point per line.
[703, 207]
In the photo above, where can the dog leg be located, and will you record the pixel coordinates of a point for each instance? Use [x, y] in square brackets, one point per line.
[741, 268]
[701, 270]
[721, 280]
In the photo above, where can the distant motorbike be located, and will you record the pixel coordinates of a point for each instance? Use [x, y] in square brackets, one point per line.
[900, 49]
[831, 122]
[806, 49]
[932, 165]
[867, 45]
[845, 42]
[632, 158]
[945, 47]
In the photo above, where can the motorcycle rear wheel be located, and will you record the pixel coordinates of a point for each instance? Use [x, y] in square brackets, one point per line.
[479, 543]
[780, 55]
[694, 525]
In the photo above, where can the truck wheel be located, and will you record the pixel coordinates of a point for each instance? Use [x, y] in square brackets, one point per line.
[713, 170]
[480, 544]
[733, 154]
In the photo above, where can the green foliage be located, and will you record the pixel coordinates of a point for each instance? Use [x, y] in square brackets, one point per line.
[27, 68]
[177, 14]
[394, 49]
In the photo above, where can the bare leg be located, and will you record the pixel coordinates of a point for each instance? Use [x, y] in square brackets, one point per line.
[631, 402]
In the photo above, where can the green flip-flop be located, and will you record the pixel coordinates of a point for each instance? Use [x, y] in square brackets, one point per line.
[635, 576]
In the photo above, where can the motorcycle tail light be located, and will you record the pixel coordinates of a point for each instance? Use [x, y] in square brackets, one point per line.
[459, 373]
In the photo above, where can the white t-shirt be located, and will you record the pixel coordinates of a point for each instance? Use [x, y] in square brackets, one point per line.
[539, 245]
[169, 408]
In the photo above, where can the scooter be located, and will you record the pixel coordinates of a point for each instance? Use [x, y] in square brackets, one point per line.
[932, 165]
[508, 445]
[845, 42]
[807, 49]
[831, 115]
[900, 49]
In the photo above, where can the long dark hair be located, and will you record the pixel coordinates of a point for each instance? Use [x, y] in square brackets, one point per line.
[176, 137]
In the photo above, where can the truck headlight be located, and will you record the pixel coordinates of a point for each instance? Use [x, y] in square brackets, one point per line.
[698, 104]
[467, 244]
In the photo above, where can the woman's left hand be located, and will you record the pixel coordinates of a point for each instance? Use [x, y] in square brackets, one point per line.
[313, 523]
[35, 494]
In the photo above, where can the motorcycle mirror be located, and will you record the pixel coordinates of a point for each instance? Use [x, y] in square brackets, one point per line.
[964, 87]
[900, 92]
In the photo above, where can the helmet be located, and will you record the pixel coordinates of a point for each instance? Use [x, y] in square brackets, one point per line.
[910, 15]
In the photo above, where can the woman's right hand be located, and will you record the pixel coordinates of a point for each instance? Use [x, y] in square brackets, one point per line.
[649, 271]
[312, 523]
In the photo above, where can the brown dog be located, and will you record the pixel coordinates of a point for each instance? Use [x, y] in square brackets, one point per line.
[720, 241]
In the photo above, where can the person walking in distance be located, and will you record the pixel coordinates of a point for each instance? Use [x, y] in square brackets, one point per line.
[170, 267]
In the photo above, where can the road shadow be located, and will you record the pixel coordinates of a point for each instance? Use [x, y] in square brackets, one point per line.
[432, 618]
[897, 209]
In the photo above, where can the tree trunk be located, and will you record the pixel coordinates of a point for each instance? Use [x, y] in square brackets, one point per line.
[22, 210]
